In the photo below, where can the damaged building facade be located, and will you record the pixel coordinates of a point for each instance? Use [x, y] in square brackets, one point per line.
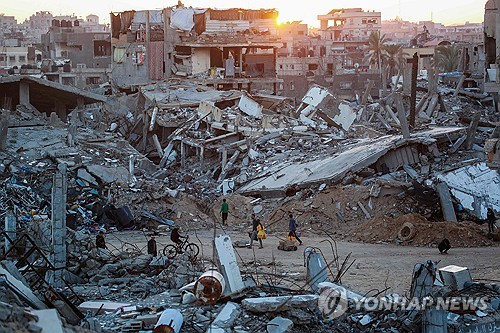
[227, 49]
[335, 59]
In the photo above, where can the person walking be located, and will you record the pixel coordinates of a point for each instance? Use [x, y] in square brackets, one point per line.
[100, 241]
[490, 215]
[152, 246]
[292, 227]
[254, 234]
[224, 210]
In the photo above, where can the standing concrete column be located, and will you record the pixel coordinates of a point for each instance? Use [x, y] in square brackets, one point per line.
[4, 128]
[59, 192]
[24, 93]
[10, 229]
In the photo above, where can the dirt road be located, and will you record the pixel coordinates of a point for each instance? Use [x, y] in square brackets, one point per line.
[377, 266]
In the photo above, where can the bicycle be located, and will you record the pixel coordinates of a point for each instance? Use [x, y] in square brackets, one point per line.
[191, 249]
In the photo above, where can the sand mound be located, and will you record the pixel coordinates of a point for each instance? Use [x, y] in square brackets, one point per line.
[423, 233]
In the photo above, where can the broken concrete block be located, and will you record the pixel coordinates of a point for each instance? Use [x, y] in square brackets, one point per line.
[345, 117]
[455, 277]
[188, 298]
[228, 266]
[279, 325]
[21, 290]
[86, 176]
[225, 319]
[279, 303]
[250, 107]
[108, 175]
[48, 321]
[103, 305]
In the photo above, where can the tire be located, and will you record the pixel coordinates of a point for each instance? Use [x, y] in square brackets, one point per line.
[407, 232]
[170, 251]
[192, 250]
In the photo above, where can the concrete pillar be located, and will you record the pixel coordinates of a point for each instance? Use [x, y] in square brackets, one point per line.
[80, 103]
[4, 128]
[59, 193]
[202, 154]
[10, 229]
[61, 110]
[224, 158]
[183, 154]
[24, 93]
[446, 203]
[131, 168]
[398, 100]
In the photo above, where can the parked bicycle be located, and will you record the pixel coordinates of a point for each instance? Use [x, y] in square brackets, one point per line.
[190, 249]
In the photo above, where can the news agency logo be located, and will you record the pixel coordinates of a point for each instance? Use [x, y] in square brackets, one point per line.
[333, 302]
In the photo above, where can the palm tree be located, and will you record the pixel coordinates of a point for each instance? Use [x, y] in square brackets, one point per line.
[447, 57]
[376, 44]
[393, 57]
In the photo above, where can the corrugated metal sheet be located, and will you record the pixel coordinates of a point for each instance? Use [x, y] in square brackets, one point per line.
[155, 60]
[226, 26]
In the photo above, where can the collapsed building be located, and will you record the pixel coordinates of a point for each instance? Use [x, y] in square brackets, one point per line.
[414, 166]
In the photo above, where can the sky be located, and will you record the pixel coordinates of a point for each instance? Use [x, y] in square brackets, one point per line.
[442, 11]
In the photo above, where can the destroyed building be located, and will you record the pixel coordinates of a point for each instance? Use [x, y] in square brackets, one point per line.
[227, 49]
[92, 186]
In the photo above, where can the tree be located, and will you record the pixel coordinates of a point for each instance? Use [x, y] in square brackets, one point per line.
[393, 57]
[376, 44]
[447, 58]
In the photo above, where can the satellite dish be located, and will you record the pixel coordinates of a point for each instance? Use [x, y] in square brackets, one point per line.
[356, 65]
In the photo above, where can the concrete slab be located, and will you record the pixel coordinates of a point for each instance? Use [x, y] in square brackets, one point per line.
[332, 169]
[476, 187]
[225, 319]
[250, 107]
[109, 175]
[279, 325]
[21, 290]
[279, 303]
[228, 266]
[48, 321]
[103, 305]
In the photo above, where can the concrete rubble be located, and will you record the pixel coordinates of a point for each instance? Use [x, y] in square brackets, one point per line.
[164, 156]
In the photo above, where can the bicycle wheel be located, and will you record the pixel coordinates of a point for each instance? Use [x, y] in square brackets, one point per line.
[170, 251]
[192, 250]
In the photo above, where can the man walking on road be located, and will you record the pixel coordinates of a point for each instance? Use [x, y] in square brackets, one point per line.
[491, 220]
[224, 209]
[292, 227]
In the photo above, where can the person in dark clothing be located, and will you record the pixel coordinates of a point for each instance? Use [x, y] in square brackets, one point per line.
[253, 234]
[292, 227]
[152, 246]
[176, 237]
[491, 220]
[224, 210]
[100, 241]
[444, 246]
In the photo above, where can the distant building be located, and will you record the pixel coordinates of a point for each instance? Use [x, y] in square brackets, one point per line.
[7, 23]
[17, 56]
